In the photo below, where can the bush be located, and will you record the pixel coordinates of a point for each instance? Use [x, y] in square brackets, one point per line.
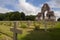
[23, 26]
[0, 34]
[58, 19]
[9, 24]
[1, 23]
[37, 27]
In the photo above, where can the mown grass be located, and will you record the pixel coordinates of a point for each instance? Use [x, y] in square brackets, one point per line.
[5, 30]
[51, 34]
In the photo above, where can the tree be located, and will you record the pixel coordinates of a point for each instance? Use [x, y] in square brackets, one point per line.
[15, 16]
[2, 16]
[58, 19]
[22, 16]
[30, 17]
[7, 16]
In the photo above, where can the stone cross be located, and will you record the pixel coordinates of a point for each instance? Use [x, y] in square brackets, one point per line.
[15, 30]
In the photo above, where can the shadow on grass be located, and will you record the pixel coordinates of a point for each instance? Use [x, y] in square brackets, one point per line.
[52, 34]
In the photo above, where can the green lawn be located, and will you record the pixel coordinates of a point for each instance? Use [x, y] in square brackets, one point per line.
[51, 34]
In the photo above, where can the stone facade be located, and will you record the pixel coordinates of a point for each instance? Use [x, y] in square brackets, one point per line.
[49, 15]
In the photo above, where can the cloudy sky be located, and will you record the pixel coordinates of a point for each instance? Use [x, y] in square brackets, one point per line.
[29, 6]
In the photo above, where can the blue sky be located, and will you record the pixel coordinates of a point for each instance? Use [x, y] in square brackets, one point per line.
[12, 4]
[37, 2]
[29, 6]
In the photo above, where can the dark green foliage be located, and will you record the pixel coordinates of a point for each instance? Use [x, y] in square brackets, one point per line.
[1, 16]
[30, 17]
[22, 16]
[58, 19]
[16, 16]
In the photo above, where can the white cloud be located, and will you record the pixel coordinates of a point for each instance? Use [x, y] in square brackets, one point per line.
[57, 3]
[57, 14]
[54, 3]
[4, 10]
[28, 8]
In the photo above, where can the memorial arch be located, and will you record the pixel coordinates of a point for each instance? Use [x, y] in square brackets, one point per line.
[49, 15]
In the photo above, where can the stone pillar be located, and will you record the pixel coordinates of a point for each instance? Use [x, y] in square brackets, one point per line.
[14, 33]
[15, 30]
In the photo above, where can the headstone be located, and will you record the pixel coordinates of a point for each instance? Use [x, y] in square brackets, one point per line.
[15, 30]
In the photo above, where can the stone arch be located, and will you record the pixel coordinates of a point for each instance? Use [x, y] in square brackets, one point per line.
[45, 7]
[49, 14]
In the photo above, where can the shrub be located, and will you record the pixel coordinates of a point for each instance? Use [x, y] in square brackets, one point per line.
[0, 33]
[23, 26]
[9, 24]
[1, 23]
[37, 27]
